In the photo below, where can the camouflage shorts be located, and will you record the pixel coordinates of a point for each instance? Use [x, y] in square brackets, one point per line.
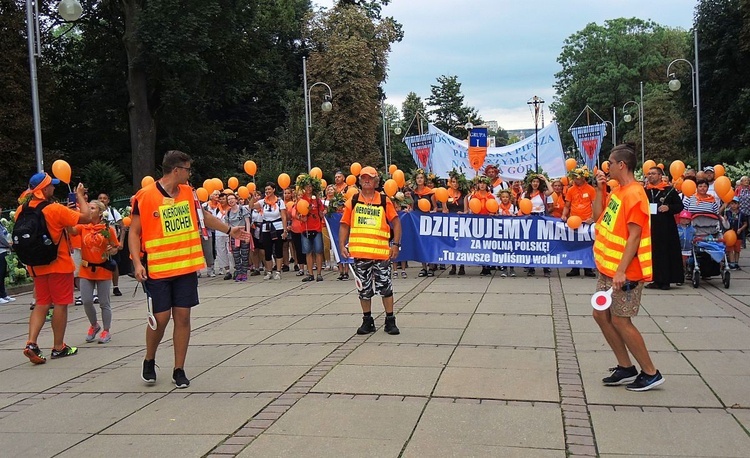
[375, 271]
[624, 303]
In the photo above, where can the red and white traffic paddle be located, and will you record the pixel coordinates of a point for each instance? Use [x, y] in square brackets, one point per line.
[601, 300]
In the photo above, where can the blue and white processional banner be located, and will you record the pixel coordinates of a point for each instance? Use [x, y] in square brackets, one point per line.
[528, 241]
[438, 152]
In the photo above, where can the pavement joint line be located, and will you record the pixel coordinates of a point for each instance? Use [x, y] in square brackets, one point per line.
[299, 389]
[569, 377]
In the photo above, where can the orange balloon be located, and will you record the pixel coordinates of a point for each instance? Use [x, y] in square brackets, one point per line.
[570, 164]
[730, 237]
[145, 181]
[649, 164]
[61, 170]
[251, 187]
[315, 172]
[202, 194]
[688, 188]
[678, 184]
[355, 168]
[676, 169]
[564, 181]
[424, 204]
[475, 205]
[613, 184]
[719, 170]
[722, 185]
[351, 180]
[660, 165]
[596, 169]
[441, 194]
[243, 192]
[126, 221]
[605, 166]
[491, 205]
[208, 185]
[284, 180]
[728, 196]
[323, 183]
[218, 184]
[574, 222]
[250, 167]
[525, 206]
[233, 182]
[390, 187]
[351, 191]
[303, 207]
[392, 168]
[400, 178]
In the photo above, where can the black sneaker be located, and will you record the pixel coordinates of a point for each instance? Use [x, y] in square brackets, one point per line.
[368, 325]
[461, 271]
[309, 278]
[179, 378]
[645, 382]
[116, 291]
[319, 278]
[66, 350]
[452, 271]
[78, 301]
[346, 277]
[285, 268]
[228, 276]
[390, 326]
[485, 271]
[530, 272]
[589, 273]
[34, 354]
[620, 375]
[148, 374]
[573, 273]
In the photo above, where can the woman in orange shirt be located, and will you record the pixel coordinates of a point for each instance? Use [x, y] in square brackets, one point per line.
[98, 243]
[555, 209]
[422, 191]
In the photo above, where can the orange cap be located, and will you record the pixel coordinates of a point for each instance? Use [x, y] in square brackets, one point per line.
[369, 171]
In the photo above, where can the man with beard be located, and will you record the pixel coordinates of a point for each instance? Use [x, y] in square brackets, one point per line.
[664, 204]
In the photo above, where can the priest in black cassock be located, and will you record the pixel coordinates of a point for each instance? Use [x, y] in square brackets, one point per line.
[666, 253]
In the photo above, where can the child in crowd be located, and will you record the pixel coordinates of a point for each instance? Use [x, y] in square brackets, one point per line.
[738, 222]
[686, 233]
[507, 208]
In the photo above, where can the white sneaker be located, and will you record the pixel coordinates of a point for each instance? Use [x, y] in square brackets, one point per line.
[267, 276]
[3, 301]
[277, 275]
[9, 299]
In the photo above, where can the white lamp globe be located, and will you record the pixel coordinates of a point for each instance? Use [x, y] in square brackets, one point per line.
[70, 10]
[627, 118]
[326, 106]
[674, 85]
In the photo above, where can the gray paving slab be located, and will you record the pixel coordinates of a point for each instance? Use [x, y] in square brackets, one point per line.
[273, 354]
[314, 335]
[34, 379]
[37, 443]
[682, 306]
[432, 302]
[137, 445]
[484, 383]
[644, 323]
[395, 380]
[417, 335]
[246, 337]
[248, 379]
[454, 425]
[399, 355]
[409, 320]
[669, 434]
[178, 416]
[732, 390]
[729, 340]
[729, 362]
[510, 330]
[687, 325]
[516, 304]
[519, 285]
[514, 359]
[585, 341]
[284, 446]
[330, 322]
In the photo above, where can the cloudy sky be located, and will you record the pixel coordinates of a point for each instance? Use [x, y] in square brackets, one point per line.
[503, 51]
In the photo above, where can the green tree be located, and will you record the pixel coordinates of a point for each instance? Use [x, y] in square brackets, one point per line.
[413, 113]
[449, 112]
[602, 66]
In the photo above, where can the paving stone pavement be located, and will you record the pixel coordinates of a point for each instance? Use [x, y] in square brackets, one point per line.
[484, 366]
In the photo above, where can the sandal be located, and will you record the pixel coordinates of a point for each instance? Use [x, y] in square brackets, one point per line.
[422, 273]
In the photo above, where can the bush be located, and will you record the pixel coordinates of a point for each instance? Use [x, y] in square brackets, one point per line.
[100, 176]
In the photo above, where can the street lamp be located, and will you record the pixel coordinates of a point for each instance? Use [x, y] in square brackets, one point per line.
[674, 85]
[628, 118]
[70, 10]
[325, 107]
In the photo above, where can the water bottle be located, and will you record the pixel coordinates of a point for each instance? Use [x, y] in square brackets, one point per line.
[46, 240]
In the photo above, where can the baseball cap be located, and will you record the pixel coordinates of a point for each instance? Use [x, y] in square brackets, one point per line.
[37, 179]
[735, 199]
[685, 214]
[708, 168]
[369, 171]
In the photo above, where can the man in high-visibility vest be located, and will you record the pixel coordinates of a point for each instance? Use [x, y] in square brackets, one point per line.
[622, 252]
[367, 222]
[165, 226]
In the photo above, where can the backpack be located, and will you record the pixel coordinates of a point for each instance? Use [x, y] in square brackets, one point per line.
[32, 241]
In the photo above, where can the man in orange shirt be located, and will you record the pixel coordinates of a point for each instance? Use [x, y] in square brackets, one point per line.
[579, 201]
[622, 251]
[53, 282]
[369, 220]
[165, 226]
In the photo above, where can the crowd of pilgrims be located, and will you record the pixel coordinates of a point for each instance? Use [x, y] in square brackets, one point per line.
[278, 228]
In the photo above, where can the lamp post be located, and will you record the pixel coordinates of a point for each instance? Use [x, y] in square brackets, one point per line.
[629, 118]
[326, 106]
[537, 102]
[674, 85]
[70, 10]
[387, 128]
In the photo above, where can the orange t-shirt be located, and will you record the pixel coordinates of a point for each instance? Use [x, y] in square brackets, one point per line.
[558, 203]
[58, 217]
[581, 200]
[93, 248]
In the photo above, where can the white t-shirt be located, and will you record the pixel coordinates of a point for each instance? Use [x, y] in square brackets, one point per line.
[538, 202]
[113, 216]
[273, 213]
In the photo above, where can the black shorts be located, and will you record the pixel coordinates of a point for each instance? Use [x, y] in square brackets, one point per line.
[181, 291]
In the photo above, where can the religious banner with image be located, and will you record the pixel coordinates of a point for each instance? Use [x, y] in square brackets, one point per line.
[589, 142]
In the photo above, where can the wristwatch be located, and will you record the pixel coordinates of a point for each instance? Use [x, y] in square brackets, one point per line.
[396, 244]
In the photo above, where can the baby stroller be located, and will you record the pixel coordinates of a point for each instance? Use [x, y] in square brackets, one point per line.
[709, 257]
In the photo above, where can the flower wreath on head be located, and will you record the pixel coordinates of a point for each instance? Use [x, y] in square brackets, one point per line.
[531, 174]
[412, 181]
[482, 179]
[580, 172]
[490, 166]
[463, 183]
[304, 180]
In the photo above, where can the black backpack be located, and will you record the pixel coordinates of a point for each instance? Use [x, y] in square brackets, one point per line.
[32, 241]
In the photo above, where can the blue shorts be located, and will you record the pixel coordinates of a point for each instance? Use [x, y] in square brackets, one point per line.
[180, 291]
[312, 242]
